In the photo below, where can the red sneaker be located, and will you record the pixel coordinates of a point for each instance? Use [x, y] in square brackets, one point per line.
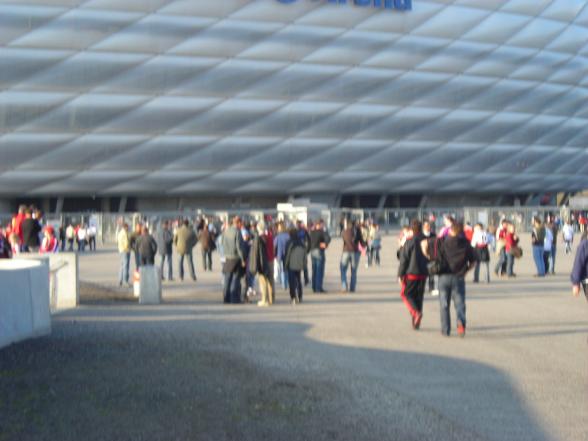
[461, 331]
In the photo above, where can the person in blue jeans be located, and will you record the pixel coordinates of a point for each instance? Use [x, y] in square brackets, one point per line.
[319, 241]
[457, 257]
[280, 243]
[537, 241]
[350, 258]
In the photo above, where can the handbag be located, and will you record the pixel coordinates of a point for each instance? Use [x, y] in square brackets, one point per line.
[434, 266]
[516, 251]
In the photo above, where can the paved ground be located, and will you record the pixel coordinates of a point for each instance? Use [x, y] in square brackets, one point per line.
[337, 367]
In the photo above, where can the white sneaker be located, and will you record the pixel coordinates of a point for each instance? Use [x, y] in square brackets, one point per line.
[435, 292]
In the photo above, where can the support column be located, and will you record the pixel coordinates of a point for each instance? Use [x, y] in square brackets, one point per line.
[382, 202]
[59, 205]
[122, 207]
[105, 205]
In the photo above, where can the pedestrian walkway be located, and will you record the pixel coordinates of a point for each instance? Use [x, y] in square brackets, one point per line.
[338, 366]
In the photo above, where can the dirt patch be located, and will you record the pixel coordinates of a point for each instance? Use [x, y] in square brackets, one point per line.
[93, 293]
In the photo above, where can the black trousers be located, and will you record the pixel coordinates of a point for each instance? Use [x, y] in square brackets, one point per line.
[207, 259]
[295, 284]
[413, 292]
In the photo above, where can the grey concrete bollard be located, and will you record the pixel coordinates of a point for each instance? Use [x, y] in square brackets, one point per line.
[150, 285]
[24, 300]
[64, 285]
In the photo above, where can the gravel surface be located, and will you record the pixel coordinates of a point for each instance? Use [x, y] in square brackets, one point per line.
[337, 367]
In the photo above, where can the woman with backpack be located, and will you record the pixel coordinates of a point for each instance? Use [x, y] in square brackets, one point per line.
[294, 264]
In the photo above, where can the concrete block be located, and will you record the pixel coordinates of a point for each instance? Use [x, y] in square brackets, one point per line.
[150, 285]
[24, 300]
[64, 283]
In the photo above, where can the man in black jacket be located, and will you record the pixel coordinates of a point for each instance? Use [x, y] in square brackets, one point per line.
[457, 257]
[350, 258]
[319, 241]
[165, 241]
[30, 233]
[412, 273]
[147, 247]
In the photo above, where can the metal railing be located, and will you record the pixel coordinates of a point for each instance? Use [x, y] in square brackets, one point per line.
[389, 219]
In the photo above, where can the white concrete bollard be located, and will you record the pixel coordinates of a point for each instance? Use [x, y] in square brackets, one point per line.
[64, 286]
[150, 285]
[24, 300]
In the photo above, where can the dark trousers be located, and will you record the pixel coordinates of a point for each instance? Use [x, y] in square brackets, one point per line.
[412, 293]
[137, 260]
[92, 243]
[318, 269]
[451, 287]
[168, 257]
[207, 259]
[232, 287]
[150, 260]
[188, 257]
[295, 284]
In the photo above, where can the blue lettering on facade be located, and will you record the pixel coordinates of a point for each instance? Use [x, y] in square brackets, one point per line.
[400, 5]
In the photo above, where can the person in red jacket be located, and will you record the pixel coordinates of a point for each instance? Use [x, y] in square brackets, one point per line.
[510, 240]
[17, 222]
[50, 243]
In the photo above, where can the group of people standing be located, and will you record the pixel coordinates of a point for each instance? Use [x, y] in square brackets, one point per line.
[28, 232]
[271, 254]
[145, 246]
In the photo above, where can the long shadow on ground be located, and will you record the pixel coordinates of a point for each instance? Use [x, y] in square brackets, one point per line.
[206, 380]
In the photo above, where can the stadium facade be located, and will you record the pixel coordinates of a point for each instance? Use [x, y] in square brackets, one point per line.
[153, 100]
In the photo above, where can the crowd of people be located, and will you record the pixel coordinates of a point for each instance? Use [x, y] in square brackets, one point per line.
[258, 255]
[28, 232]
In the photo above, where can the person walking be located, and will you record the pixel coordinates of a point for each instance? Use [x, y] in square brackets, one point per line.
[234, 262]
[482, 254]
[548, 248]
[537, 240]
[412, 273]
[82, 237]
[70, 233]
[511, 248]
[350, 256]
[432, 250]
[91, 232]
[207, 240]
[554, 227]
[147, 247]
[304, 237]
[319, 242]
[294, 264]
[280, 242]
[165, 241]
[268, 237]
[30, 233]
[579, 276]
[568, 236]
[185, 240]
[259, 264]
[500, 250]
[457, 257]
[124, 249]
[50, 243]
[134, 240]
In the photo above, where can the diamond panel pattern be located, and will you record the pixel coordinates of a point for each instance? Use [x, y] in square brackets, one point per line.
[254, 96]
